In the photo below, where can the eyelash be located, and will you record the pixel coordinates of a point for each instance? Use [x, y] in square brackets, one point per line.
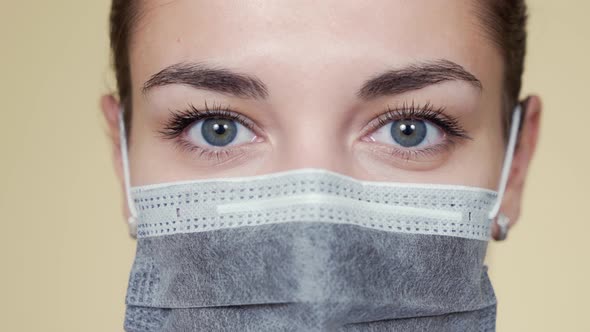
[428, 112]
[180, 120]
[450, 126]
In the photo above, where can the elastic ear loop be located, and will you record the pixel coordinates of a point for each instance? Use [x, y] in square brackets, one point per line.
[132, 220]
[516, 117]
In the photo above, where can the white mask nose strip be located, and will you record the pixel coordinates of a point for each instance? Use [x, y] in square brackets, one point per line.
[318, 201]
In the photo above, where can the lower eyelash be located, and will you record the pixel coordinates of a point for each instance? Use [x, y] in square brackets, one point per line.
[207, 154]
[408, 154]
[413, 154]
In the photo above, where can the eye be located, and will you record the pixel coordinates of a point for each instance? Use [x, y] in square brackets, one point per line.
[218, 132]
[409, 133]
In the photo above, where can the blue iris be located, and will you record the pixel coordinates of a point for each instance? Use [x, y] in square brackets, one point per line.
[408, 133]
[219, 132]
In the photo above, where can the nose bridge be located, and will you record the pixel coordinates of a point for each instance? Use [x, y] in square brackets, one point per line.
[322, 152]
[315, 139]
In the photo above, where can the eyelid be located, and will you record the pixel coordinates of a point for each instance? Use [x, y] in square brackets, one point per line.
[181, 120]
[449, 125]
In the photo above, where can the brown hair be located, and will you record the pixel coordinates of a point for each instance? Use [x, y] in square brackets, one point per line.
[504, 21]
[124, 14]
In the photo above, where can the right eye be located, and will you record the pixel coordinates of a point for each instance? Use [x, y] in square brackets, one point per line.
[219, 132]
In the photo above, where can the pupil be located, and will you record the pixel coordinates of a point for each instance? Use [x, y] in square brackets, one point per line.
[407, 129]
[219, 129]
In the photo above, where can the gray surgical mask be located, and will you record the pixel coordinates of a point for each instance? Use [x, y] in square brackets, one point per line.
[311, 250]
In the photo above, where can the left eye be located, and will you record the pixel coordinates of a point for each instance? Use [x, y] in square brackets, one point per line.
[408, 133]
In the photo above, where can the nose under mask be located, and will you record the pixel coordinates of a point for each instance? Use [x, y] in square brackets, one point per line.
[311, 250]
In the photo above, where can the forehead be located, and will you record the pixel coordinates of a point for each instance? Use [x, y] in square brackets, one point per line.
[308, 34]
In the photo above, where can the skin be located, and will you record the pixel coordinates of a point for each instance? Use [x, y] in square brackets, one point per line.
[313, 57]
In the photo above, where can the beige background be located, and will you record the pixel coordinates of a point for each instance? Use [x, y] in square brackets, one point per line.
[65, 255]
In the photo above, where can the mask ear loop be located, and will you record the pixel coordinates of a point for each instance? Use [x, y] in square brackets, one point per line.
[132, 220]
[494, 213]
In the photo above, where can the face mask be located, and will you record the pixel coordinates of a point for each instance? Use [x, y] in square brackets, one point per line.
[311, 250]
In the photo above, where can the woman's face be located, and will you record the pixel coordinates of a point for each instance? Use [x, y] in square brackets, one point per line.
[405, 91]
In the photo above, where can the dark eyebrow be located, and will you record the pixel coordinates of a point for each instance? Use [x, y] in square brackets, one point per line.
[202, 76]
[414, 77]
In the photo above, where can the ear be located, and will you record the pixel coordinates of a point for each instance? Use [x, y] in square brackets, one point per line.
[110, 109]
[523, 154]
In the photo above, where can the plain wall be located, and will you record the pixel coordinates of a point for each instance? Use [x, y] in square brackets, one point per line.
[64, 250]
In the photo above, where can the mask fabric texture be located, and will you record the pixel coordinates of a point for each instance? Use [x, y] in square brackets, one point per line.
[310, 250]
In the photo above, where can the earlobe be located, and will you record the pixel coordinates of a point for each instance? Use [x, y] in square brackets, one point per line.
[511, 203]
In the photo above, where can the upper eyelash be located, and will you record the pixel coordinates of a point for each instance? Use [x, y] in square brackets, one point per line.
[427, 112]
[182, 119]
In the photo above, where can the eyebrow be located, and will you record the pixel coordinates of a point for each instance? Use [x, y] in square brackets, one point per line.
[203, 76]
[392, 82]
[415, 77]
